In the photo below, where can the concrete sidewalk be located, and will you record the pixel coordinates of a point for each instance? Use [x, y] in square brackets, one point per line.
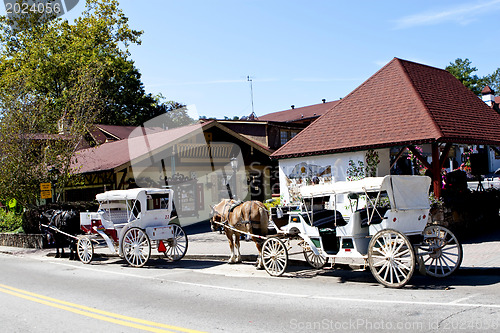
[481, 254]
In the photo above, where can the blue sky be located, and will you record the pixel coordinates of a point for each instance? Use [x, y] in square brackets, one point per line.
[297, 52]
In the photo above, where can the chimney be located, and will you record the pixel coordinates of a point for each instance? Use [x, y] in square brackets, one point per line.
[324, 100]
[488, 96]
[293, 107]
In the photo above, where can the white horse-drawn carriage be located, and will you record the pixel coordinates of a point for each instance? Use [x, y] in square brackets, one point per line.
[380, 222]
[131, 223]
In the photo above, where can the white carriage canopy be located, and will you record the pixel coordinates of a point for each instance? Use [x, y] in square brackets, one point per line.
[404, 192]
[131, 194]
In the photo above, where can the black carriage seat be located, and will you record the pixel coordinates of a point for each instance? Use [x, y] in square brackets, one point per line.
[376, 219]
[325, 218]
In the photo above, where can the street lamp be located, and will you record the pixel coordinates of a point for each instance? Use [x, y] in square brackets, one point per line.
[234, 166]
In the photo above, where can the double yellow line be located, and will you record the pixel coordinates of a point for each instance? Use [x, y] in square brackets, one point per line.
[114, 318]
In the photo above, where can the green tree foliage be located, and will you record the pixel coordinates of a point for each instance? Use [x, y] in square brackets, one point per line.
[53, 71]
[493, 80]
[463, 70]
[32, 152]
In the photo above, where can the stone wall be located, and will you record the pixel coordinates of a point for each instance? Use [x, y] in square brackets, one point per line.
[35, 241]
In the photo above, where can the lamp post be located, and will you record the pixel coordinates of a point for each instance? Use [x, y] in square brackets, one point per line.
[234, 166]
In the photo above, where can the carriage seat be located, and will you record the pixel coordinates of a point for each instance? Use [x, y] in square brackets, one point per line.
[376, 218]
[325, 218]
[114, 217]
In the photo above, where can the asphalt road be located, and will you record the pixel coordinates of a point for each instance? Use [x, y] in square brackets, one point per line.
[45, 294]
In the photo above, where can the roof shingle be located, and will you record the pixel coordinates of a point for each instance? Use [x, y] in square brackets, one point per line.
[297, 114]
[404, 102]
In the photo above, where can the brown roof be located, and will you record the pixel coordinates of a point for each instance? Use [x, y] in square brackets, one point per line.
[487, 90]
[116, 154]
[106, 133]
[403, 103]
[297, 114]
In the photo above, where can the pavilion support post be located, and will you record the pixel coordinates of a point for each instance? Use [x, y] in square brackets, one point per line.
[436, 170]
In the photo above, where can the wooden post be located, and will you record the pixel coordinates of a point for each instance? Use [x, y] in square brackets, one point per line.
[436, 170]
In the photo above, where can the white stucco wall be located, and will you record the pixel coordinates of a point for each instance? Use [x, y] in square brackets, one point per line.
[339, 164]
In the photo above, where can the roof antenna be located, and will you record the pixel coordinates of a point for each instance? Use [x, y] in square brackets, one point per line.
[249, 79]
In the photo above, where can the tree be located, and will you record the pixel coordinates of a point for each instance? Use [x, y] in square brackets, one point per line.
[462, 70]
[55, 72]
[30, 154]
[493, 80]
[50, 50]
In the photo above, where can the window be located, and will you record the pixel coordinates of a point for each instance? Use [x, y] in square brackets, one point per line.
[157, 201]
[287, 135]
[284, 137]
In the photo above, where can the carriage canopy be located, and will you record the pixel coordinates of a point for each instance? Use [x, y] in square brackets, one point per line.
[404, 192]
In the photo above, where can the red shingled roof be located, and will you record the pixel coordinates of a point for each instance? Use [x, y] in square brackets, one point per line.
[116, 154]
[487, 90]
[403, 103]
[297, 114]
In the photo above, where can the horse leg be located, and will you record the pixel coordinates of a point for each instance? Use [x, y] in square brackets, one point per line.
[72, 250]
[237, 247]
[229, 235]
[258, 244]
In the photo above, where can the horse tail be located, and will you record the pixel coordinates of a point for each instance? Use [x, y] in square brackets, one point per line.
[264, 220]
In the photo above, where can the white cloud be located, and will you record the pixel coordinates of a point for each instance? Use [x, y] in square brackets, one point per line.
[462, 15]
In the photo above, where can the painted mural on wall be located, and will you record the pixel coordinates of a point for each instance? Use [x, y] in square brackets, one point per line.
[306, 174]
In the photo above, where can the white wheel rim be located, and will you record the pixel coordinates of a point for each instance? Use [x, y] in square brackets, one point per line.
[315, 260]
[392, 259]
[442, 251]
[176, 247]
[85, 250]
[136, 247]
[274, 257]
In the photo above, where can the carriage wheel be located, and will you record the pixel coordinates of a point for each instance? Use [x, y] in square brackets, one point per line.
[85, 249]
[176, 247]
[315, 260]
[442, 251]
[391, 258]
[136, 247]
[274, 256]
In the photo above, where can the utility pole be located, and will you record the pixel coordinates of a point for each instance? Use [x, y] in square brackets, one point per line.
[249, 79]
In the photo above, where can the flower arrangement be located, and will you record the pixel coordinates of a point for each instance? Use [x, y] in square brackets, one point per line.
[414, 159]
[372, 160]
[355, 171]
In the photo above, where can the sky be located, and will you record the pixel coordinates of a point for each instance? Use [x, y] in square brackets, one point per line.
[298, 52]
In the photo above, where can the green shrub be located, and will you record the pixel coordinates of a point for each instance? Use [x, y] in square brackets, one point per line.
[9, 221]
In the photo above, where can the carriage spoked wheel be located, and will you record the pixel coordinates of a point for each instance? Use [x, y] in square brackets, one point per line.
[391, 258]
[440, 252]
[136, 247]
[274, 256]
[315, 260]
[85, 249]
[176, 247]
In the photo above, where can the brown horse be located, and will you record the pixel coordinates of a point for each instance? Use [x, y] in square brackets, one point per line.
[250, 216]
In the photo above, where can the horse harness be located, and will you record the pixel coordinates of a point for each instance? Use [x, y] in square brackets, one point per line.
[230, 208]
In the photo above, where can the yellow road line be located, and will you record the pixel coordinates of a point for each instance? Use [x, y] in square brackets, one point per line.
[94, 313]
